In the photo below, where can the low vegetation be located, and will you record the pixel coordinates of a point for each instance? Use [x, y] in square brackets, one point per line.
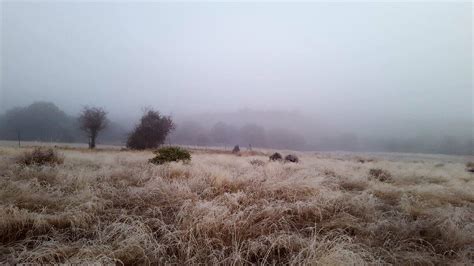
[470, 167]
[257, 162]
[276, 157]
[40, 156]
[380, 175]
[291, 158]
[113, 207]
[171, 154]
[236, 149]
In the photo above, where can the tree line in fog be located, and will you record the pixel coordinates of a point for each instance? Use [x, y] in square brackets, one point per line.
[43, 121]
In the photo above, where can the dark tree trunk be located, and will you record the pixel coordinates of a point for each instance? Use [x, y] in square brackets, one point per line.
[19, 139]
[92, 141]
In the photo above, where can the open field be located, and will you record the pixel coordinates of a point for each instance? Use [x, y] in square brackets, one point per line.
[111, 206]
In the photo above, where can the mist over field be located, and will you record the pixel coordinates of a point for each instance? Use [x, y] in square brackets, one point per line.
[253, 133]
[313, 76]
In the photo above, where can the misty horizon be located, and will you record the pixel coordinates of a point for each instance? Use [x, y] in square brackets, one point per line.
[237, 132]
[378, 70]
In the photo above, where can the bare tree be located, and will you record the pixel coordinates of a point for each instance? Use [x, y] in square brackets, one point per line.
[92, 120]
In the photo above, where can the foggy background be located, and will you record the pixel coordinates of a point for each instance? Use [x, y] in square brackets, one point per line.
[308, 76]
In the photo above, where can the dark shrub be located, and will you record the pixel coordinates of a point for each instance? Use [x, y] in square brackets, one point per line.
[171, 154]
[276, 157]
[380, 174]
[236, 149]
[151, 131]
[291, 158]
[470, 167]
[40, 156]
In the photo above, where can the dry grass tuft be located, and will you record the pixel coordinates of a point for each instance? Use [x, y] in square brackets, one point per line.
[329, 173]
[356, 184]
[40, 156]
[380, 175]
[257, 162]
[112, 207]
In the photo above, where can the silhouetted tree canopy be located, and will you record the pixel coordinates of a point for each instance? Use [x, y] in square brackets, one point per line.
[151, 131]
[44, 121]
[92, 120]
[40, 121]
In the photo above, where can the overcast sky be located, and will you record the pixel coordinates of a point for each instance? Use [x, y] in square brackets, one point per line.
[377, 61]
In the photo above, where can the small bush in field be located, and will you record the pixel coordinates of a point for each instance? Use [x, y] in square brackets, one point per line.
[257, 162]
[470, 167]
[380, 174]
[171, 154]
[40, 156]
[291, 158]
[236, 149]
[276, 157]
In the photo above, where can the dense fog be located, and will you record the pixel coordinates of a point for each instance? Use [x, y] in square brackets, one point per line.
[391, 76]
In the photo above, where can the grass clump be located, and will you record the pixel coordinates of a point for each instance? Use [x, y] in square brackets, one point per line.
[171, 154]
[257, 162]
[380, 174]
[40, 156]
[110, 207]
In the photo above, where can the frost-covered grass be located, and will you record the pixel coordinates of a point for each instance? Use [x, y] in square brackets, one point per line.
[113, 206]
